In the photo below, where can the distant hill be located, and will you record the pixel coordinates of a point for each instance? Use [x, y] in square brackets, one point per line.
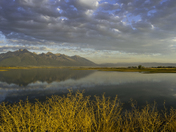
[23, 57]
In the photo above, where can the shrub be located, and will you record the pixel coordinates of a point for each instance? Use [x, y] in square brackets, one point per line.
[140, 67]
[78, 113]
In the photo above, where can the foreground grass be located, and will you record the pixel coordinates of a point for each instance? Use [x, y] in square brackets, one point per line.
[78, 113]
[144, 70]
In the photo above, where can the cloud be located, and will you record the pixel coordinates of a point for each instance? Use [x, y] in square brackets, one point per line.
[129, 26]
[89, 3]
[108, 6]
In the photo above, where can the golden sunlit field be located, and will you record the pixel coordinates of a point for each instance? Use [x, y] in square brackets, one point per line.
[3, 70]
[119, 69]
[77, 113]
[29, 67]
[122, 69]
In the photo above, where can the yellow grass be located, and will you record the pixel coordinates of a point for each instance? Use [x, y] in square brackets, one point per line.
[143, 70]
[77, 113]
[28, 67]
[3, 70]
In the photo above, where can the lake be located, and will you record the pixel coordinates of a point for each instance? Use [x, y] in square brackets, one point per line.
[19, 84]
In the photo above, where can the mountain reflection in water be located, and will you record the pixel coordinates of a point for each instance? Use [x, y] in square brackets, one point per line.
[17, 85]
[26, 76]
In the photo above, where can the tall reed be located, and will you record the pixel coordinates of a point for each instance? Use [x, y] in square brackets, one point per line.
[75, 112]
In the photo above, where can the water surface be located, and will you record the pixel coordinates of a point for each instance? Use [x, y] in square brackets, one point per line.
[19, 84]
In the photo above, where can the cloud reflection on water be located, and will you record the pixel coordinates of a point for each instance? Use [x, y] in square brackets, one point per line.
[125, 84]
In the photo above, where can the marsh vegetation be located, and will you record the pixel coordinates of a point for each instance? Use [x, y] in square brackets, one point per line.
[133, 69]
[140, 68]
[78, 113]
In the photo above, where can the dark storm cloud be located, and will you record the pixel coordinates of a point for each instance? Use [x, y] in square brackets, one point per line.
[107, 25]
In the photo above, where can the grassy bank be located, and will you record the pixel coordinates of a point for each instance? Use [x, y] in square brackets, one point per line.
[78, 113]
[144, 70]
[29, 67]
[3, 70]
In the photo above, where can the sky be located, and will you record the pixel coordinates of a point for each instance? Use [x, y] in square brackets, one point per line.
[103, 31]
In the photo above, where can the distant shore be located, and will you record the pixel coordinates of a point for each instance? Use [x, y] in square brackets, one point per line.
[122, 69]
[26, 67]
[119, 69]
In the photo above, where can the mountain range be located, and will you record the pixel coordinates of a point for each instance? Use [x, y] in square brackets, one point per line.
[23, 57]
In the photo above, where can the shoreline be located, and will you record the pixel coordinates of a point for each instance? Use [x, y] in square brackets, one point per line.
[118, 69]
[144, 70]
